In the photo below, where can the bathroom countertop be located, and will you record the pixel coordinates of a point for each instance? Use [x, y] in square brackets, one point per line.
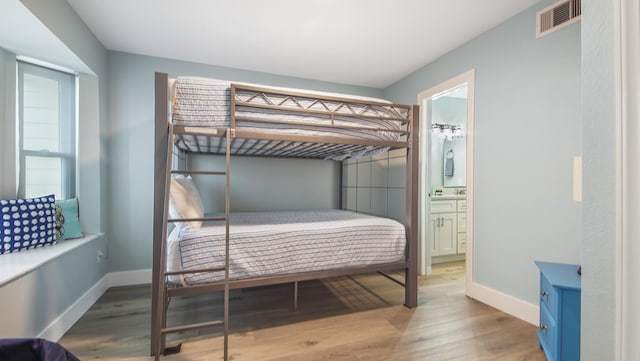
[448, 197]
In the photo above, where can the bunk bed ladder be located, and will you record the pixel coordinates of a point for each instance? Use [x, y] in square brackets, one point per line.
[162, 297]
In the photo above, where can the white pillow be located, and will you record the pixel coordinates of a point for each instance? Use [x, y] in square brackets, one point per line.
[185, 202]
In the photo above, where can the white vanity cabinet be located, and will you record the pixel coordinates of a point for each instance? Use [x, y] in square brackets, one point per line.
[448, 227]
[462, 226]
[443, 234]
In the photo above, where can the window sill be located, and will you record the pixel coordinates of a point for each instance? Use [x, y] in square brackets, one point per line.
[16, 265]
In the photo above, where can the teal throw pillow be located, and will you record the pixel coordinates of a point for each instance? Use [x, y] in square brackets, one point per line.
[67, 221]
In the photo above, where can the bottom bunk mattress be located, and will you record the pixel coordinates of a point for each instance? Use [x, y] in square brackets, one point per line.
[266, 244]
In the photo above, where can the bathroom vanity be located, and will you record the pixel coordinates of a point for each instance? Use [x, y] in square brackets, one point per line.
[448, 226]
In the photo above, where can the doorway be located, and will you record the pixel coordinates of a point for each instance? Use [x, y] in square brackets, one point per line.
[446, 174]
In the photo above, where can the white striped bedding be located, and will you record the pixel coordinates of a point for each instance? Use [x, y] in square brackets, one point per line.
[206, 102]
[277, 243]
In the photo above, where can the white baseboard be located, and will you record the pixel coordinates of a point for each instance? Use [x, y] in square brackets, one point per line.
[72, 314]
[129, 278]
[514, 306]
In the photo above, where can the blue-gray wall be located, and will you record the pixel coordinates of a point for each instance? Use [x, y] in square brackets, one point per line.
[294, 185]
[600, 104]
[269, 184]
[41, 296]
[527, 130]
[7, 123]
[7, 180]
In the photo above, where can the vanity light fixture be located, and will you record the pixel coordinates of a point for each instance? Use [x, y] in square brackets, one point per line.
[447, 131]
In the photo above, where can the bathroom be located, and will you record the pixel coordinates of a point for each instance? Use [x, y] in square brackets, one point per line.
[448, 174]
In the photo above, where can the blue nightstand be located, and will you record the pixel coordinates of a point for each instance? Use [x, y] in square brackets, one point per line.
[559, 333]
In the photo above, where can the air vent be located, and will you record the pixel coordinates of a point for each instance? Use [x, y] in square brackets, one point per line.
[557, 16]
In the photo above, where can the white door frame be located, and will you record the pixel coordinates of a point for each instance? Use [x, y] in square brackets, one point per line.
[425, 144]
[628, 297]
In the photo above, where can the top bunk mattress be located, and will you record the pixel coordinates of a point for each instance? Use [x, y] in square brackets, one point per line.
[203, 102]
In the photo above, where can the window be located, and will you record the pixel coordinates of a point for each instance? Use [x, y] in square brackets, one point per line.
[46, 132]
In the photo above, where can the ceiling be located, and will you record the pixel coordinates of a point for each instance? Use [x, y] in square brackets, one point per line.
[360, 42]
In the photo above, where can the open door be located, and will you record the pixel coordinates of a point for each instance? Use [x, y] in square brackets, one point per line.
[446, 141]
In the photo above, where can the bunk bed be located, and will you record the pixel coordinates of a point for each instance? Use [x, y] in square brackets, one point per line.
[198, 115]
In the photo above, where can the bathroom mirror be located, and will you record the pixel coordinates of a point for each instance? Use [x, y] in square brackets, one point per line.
[447, 116]
[454, 162]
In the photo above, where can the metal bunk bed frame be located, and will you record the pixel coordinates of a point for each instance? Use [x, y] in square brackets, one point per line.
[166, 135]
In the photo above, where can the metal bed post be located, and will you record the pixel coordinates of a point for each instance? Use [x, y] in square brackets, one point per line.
[160, 143]
[295, 296]
[411, 206]
[227, 210]
[341, 185]
[161, 295]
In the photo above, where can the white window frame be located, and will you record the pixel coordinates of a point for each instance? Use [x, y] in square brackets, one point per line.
[68, 135]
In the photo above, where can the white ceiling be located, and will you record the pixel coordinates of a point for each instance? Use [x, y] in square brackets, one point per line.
[360, 42]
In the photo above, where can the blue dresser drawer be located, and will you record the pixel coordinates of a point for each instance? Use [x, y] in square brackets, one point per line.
[547, 334]
[548, 295]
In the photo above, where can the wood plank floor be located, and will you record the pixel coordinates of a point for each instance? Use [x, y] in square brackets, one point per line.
[347, 318]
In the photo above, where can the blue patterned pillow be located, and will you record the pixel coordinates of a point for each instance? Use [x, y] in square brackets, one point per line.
[26, 223]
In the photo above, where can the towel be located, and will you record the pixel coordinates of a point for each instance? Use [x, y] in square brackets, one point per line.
[448, 165]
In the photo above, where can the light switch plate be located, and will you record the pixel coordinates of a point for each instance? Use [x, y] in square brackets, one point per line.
[577, 178]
